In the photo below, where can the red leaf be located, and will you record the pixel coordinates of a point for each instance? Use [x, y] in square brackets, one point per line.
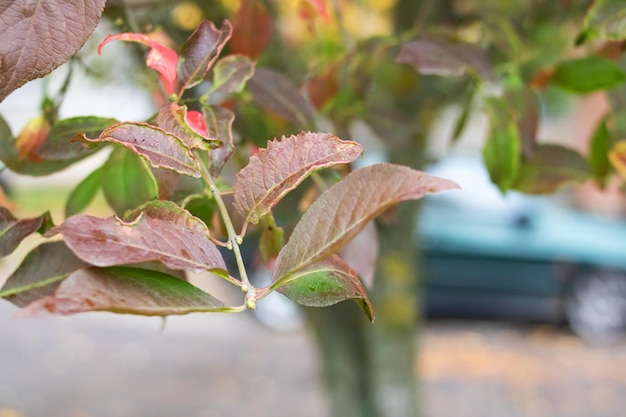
[188, 126]
[123, 290]
[326, 283]
[275, 171]
[38, 36]
[201, 50]
[160, 58]
[320, 7]
[431, 54]
[158, 147]
[344, 209]
[252, 29]
[160, 231]
[275, 92]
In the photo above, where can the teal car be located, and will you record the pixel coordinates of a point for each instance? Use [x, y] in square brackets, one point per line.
[517, 256]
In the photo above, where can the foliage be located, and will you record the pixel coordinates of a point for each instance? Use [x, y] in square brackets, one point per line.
[107, 259]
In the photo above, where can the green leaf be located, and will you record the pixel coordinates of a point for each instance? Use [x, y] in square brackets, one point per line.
[551, 167]
[84, 193]
[501, 152]
[599, 148]
[466, 110]
[271, 240]
[13, 230]
[201, 206]
[605, 19]
[344, 209]
[124, 290]
[231, 74]
[219, 123]
[586, 75]
[58, 146]
[40, 273]
[160, 148]
[9, 155]
[326, 283]
[127, 182]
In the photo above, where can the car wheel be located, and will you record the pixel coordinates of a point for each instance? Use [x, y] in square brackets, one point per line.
[595, 306]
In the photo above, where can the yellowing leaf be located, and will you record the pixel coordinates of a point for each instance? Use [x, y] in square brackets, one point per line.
[617, 156]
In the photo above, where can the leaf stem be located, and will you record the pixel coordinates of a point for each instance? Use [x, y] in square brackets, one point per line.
[234, 240]
[28, 287]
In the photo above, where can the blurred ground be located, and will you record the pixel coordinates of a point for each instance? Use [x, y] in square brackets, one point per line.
[103, 365]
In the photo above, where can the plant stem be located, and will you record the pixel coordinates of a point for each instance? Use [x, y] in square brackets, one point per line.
[234, 240]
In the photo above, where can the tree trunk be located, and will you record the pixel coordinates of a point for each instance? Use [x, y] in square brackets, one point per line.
[370, 369]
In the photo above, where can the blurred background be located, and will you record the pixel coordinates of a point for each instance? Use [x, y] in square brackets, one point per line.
[524, 297]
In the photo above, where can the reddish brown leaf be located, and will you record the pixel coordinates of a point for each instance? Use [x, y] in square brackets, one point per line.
[323, 87]
[13, 231]
[159, 231]
[123, 290]
[160, 58]
[160, 148]
[252, 29]
[361, 254]
[432, 54]
[38, 36]
[275, 92]
[219, 123]
[201, 50]
[188, 126]
[275, 171]
[326, 283]
[344, 209]
[40, 273]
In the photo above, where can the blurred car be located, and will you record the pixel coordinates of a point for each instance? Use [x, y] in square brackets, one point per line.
[520, 257]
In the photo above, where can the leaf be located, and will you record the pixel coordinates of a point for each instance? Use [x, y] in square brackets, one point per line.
[201, 206]
[160, 58]
[13, 230]
[9, 155]
[219, 123]
[126, 181]
[40, 273]
[274, 92]
[599, 152]
[58, 146]
[275, 171]
[201, 50]
[84, 193]
[345, 208]
[551, 167]
[39, 36]
[605, 19]
[252, 29]
[124, 290]
[159, 231]
[361, 254]
[326, 283]
[271, 240]
[321, 8]
[466, 110]
[617, 157]
[160, 148]
[586, 75]
[188, 126]
[433, 54]
[501, 152]
[31, 138]
[231, 74]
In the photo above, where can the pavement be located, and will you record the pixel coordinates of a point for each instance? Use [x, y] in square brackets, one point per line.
[220, 365]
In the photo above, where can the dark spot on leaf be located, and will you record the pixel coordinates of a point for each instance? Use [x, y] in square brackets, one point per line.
[89, 302]
[184, 253]
[312, 288]
[99, 236]
[29, 10]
